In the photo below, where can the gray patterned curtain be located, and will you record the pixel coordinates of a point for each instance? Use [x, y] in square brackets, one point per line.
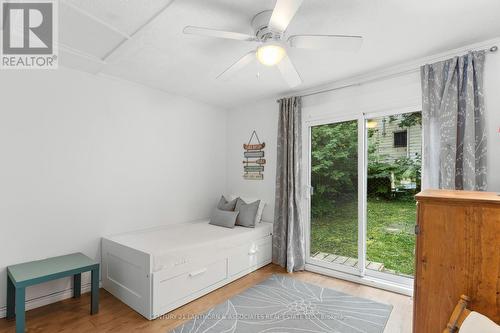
[454, 123]
[288, 235]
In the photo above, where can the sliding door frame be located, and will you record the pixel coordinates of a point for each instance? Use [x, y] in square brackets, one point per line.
[360, 274]
[390, 278]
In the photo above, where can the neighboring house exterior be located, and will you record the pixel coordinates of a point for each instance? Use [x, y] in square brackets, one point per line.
[396, 142]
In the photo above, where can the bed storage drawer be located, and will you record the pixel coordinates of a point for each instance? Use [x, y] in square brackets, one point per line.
[249, 255]
[175, 288]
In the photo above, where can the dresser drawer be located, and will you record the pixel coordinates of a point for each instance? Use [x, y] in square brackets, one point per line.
[175, 288]
[249, 255]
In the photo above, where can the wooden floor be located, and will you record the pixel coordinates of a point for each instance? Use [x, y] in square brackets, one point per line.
[72, 315]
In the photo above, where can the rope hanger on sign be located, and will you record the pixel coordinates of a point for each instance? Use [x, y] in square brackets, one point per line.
[254, 133]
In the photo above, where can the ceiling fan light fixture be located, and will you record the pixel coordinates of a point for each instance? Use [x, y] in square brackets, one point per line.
[270, 54]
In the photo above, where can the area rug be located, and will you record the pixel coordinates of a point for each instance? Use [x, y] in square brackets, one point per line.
[282, 304]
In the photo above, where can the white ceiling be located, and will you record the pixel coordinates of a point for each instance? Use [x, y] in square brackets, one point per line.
[158, 54]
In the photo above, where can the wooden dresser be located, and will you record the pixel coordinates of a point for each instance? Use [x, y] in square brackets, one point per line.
[458, 252]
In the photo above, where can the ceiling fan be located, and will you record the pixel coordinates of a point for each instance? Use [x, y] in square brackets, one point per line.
[270, 27]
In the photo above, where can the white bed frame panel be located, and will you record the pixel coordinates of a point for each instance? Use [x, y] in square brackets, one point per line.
[127, 274]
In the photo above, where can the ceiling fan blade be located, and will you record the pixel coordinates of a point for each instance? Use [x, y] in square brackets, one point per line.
[191, 30]
[342, 43]
[238, 65]
[289, 72]
[283, 13]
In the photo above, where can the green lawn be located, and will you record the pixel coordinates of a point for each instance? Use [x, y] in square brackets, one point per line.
[390, 233]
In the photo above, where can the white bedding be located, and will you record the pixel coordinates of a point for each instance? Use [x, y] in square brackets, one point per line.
[476, 322]
[175, 244]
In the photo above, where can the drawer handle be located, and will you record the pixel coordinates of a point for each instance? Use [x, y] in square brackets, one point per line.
[196, 273]
[252, 252]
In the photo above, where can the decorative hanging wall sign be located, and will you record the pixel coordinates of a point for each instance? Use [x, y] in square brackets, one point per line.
[254, 161]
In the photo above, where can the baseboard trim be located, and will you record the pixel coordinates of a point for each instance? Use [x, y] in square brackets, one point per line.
[48, 299]
[369, 281]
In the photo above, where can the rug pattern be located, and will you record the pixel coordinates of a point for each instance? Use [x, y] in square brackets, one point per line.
[282, 304]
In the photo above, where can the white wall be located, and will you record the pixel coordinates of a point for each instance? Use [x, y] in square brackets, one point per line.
[400, 93]
[84, 156]
[263, 117]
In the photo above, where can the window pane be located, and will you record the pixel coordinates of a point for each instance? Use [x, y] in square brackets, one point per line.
[394, 169]
[400, 139]
[334, 203]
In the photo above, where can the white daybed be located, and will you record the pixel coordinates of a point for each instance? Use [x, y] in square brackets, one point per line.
[157, 270]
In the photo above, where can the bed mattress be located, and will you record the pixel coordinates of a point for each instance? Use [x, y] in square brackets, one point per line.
[176, 244]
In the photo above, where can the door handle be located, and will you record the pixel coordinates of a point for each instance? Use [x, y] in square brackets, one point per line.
[198, 272]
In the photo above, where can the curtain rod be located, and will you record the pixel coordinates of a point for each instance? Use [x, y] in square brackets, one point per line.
[492, 49]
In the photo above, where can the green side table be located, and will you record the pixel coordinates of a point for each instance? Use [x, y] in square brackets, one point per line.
[30, 273]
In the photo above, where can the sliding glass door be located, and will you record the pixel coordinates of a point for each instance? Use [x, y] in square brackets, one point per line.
[363, 175]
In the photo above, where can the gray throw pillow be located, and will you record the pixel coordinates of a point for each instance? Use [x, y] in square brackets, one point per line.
[247, 213]
[223, 218]
[226, 205]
